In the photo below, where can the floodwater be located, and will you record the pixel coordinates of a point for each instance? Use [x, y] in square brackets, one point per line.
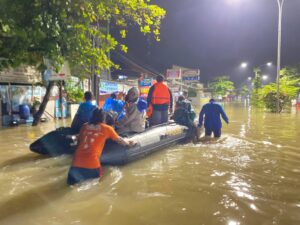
[249, 176]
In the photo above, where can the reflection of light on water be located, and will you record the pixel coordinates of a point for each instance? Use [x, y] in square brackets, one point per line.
[117, 175]
[243, 130]
[217, 174]
[232, 222]
[87, 185]
[240, 187]
[252, 206]
[152, 195]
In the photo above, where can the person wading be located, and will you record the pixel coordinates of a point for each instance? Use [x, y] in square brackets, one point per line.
[211, 113]
[161, 99]
[92, 137]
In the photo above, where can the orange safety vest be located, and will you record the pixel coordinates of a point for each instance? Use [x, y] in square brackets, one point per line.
[161, 94]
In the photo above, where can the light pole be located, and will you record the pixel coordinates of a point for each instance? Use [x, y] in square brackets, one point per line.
[280, 7]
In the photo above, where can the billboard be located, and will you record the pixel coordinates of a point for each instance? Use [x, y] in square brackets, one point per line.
[173, 74]
[191, 75]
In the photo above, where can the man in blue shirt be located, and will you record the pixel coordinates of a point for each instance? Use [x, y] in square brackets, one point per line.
[84, 112]
[212, 121]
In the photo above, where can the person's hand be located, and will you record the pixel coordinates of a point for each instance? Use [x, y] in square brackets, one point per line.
[171, 110]
[132, 143]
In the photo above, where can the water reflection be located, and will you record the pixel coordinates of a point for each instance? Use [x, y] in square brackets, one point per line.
[249, 176]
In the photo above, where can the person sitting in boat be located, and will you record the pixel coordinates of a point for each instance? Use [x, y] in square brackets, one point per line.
[184, 114]
[134, 120]
[92, 137]
[115, 105]
[84, 112]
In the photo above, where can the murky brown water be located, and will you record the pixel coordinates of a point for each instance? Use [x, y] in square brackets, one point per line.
[250, 176]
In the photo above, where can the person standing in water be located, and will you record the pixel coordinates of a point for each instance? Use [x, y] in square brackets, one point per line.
[211, 113]
[84, 112]
[92, 137]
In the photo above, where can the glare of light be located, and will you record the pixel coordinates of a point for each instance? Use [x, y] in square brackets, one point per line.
[232, 2]
[244, 65]
[249, 78]
[232, 222]
[265, 77]
[269, 64]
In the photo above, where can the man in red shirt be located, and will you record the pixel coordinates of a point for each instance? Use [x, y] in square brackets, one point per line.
[92, 137]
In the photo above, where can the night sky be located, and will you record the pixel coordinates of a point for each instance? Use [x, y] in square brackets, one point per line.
[217, 36]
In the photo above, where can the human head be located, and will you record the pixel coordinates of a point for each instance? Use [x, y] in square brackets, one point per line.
[132, 95]
[113, 96]
[160, 78]
[212, 100]
[185, 94]
[97, 117]
[181, 98]
[88, 96]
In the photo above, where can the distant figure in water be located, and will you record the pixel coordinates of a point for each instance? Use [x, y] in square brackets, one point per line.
[84, 112]
[212, 121]
[92, 137]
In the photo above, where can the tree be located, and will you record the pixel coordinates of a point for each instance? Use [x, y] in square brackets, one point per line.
[289, 88]
[221, 86]
[72, 30]
[257, 84]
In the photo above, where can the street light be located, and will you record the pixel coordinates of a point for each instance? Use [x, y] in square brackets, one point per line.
[265, 77]
[244, 64]
[280, 7]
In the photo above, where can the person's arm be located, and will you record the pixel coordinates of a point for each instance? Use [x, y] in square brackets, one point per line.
[223, 114]
[115, 137]
[201, 116]
[171, 99]
[149, 97]
[126, 142]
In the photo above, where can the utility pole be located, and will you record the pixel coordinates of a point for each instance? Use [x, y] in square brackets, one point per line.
[280, 7]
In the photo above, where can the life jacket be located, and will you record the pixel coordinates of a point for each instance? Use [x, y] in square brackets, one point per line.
[161, 94]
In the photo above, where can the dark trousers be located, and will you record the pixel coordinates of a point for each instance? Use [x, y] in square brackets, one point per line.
[217, 132]
[159, 117]
[77, 175]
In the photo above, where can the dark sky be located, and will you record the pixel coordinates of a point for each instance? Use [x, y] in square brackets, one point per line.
[216, 37]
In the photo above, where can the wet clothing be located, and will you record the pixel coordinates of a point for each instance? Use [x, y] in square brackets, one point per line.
[211, 113]
[91, 143]
[160, 98]
[83, 115]
[134, 121]
[184, 113]
[77, 175]
[216, 132]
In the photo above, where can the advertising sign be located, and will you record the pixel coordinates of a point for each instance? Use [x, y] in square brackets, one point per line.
[145, 85]
[173, 74]
[108, 87]
[190, 74]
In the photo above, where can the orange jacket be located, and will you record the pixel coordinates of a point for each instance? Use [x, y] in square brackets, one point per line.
[161, 94]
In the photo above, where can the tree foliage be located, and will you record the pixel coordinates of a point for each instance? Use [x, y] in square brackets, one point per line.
[288, 89]
[72, 30]
[221, 86]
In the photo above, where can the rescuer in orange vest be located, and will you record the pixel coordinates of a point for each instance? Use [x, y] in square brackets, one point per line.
[161, 99]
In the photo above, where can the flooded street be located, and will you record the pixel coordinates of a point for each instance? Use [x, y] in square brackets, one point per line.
[249, 176]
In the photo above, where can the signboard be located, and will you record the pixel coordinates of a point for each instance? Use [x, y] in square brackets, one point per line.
[58, 76]
[146, 82]
[173, 74]
[191, 75]
[63, 74]
[108, 87]
[145, 85]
